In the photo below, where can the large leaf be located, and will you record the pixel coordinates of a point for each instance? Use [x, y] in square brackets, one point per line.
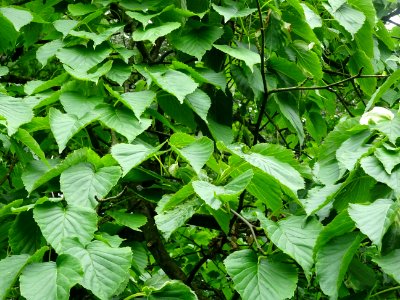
[50, 280]
[195, 151]
[196, 39]
[81, 184]
[123, 121]
[65, 126]
[132, 155]
[374, 219]
[213, 195]
[390, 264]
[18, 17]
[77, 104]
[249, 57]
[295, 236]
[307, 59]
[233, 9]
[260, 278]
[58, 222]
[352, 149]
[153, 32]
[333, 260]
[15, 111]
[105, 268]
[170, 290]
[138, 102]
[10, 268]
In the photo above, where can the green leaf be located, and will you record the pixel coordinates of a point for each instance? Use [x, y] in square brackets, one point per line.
[391, 80]
[120, 72]
[350, 18]
[48, 50]
[373, 168]
[286, 68]
[374, 219]
[174, 82]
[390, 264]
[96, 38]
[171, 289]
[65, 126]
[81, 184]
[15, 111]
[138, 102]
[82, 58]
[153, 32]
[197, 152]
[123, 121]
[360, 60]
[23, 136]
[10, 268]
[295, 236]
[333, 260]
[105, 268]
[131, 220]
[196, 38]
[388, 158]
[213, 195]
[281, 171]
[249, 57]
[352, 149]
[391, 128]
[132, 155]
[92, 75]
[24, 234]
[18, 17]
[65, 26]
[200, 102]
[170, 220]
[313, 19]
[317, 198]
[307, 59]
[58, 222]
[8, 34]
[232, 9]
[145, 18]
[260, 278]
[79, 105]
[81, 9]
[55, 279]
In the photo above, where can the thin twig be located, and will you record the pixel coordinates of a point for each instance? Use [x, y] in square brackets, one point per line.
[251, 229]
[385, 291]
[111, 198]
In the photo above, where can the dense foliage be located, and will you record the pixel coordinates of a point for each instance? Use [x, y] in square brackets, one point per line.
[197, 149]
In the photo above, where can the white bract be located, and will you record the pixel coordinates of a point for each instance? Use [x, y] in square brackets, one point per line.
[376, 115]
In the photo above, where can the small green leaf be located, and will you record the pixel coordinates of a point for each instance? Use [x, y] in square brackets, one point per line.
[317, 198]
[374, 219]
[200, 102]
[23, 136]
[388, 158]
[153, 32]
[138, 102]
[81, 184]
[391, 128]
[55, 279]
[307, 59]
[15, 111]
[131, 220]
[258, 278]
[390, 264]
[105, 268]
[232, 9]
[352, 149]
[350, 18]
[77, 104]
[171, 289]
[65, 26]
[249, 57]
[391, 80]
[58, 222]
[10, 268]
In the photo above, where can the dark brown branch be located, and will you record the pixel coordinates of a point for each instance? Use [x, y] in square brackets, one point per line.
[195, 269]
[7, 175]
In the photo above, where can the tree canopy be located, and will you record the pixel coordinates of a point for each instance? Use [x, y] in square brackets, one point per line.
[199, 149]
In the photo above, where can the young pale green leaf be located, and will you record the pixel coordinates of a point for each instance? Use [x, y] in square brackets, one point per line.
[18, 17]
[280, 170]
[350, 18]
[24, 235]
[313, 19]
[174, 82]
[196, 39]
[105, 268]
[15, 111]
[57, 222]
[352, 149]
[170, 220]
[374, 219]
[249, 57]
[258, 278]
[200, 102]
[153, 32]
[50, 280]
[81, 184]
[388, 158]
[123, 121]
[171, 289]
[295, 236]
[131, 220]
[333, 260]
[213, 195]
[390, 264]
[10, 268]
[78, 104]
[232, 9]
[391, 80]
[196, 153]
[65, 126]
[138, 102]
[374, 168]
[132, 155]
